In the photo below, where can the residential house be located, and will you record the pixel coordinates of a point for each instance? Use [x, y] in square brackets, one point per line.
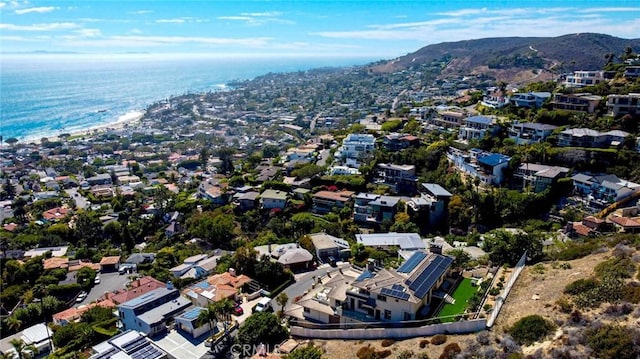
[100, 179]
[327, 246]
[530, 99]
[625, 224]
[632, 72]
[39, 336]
[109, 264]
[296, 259]
[191, 268]
[355, 148]
[388, 295]
[475, 127]
[343, 171]
[400, 179]
[403, 241]
[149, 312]
[134, 289]
[374, 208]
[326, 201]
[129, 344]
[539, 176]
[272, 198]
[448, 119]
[582, 102]
[55, 251]
[212, 191]
[430, 209]
[397, 141]
[74, 314]
[248, 200]
[217, 287]
[529, 132]
[140, 258]
[584, 78]
[603, 189]
[620, 105]
[590, 226]
[586, 137]
[188, 322]
[485, 166]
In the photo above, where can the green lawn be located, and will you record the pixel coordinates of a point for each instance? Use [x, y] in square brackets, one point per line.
[464, 291]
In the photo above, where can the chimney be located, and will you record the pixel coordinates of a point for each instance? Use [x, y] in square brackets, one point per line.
[232, 271]
[169, 285]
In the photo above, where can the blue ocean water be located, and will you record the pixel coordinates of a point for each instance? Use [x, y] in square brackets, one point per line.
[44, 96]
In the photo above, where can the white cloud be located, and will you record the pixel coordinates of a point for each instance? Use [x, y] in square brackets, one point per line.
[89, 32]
[41, 9]
[141, 12]
[135, 31]
[19, 38]
[163, 41]
[2, 4]
[262, 14]
[258, 18]
[170, 21]
[41, 27]
[609, 9]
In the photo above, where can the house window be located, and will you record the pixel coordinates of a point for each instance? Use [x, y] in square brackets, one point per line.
[382, 298]
[407, 316]
[387, 314]
[307, 310]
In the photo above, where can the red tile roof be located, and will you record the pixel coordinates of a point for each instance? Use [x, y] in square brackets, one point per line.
[105, 261]
[624, 221]
[55, 214]
[73, 314]
[138, 288]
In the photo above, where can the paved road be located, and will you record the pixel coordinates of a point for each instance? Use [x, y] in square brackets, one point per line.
[81, 201]
[108, 283]
[322, 157]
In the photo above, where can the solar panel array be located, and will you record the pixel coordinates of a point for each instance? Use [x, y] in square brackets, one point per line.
[365, 275]
[148, 352]
[429, 276]
[395, 293]
[193, 313]
[132, 345]
[412, 262]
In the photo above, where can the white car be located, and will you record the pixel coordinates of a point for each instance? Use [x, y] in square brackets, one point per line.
[81, 296]
[97, 280]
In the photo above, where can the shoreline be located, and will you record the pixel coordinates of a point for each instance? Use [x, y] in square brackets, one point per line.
[129, 118]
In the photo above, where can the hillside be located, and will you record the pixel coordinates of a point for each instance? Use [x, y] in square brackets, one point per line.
[505, 57]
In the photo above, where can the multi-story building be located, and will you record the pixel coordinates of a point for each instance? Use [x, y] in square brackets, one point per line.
[582, 102]
[586, 137]
[529, 132]
[475, 127]
[399, 178]
[387, 295]
[530, 99]
[448, 119]
[149, 312]
[619, 105]
[327, 245]
[396, 141]
[326, 201]
[374, 208]
[539, 176]
[429, 210]
[355, 148]
[485, 166]
[272, 198]
[632, 72]
[130, 344]
[603, 189]
[584, 78]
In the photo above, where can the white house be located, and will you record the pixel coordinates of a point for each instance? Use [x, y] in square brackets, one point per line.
[272, 198]
[355, 147]
[149, 312]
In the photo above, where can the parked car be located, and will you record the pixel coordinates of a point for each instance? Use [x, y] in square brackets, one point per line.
[81, 296]
[237, 309]
[264, 305]
[97, 280]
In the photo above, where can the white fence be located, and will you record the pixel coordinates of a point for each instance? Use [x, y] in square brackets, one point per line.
[505, 292]
[461, 327]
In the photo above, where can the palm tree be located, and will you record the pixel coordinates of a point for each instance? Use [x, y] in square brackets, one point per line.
[14, 323]
[23, 350]
[208, 315]
[224, 308]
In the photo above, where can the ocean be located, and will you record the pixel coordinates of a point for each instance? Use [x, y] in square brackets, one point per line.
[47, 95]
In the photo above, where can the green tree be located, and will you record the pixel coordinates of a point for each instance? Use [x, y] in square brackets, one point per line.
[208, 315]
[85, 277]
[282, 300]
[22, 349]
[262, 327]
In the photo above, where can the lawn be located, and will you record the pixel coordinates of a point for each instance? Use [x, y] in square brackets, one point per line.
[464, 291]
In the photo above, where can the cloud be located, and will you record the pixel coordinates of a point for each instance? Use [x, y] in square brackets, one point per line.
[258, 18]
[609, 9]
[41, 27]
[181, 20]
[262, 14]
[141, 12]
[41, 9]
[2, 4]
[89, 32]
[163, 41]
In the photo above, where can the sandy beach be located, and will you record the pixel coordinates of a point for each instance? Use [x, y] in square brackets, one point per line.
[123, 121]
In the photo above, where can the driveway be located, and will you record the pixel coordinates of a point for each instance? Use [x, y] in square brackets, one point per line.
[109, 282]
[81, 202]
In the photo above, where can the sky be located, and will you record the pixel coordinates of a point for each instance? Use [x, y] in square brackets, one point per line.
[368, 28]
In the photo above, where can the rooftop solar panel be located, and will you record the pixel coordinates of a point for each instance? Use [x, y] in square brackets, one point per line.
[395, 293]
[429, 276]
[193, 313]
[412, 262]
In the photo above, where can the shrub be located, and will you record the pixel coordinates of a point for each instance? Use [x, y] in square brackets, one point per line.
[383, 354]
[405, 354]
[581, 285]
[616, 268]
[439, 339]
[366, 353]
[450, 351]
[564, 305]
[631, 292]
[611, 342]
[387, 343]
[424, 343]
[530, 329]
[423, 356]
